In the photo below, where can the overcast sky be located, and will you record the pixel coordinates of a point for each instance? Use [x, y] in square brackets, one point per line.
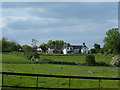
[75, 23]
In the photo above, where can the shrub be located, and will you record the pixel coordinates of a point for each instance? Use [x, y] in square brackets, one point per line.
[90, 60]
[29, 55]
[32, 55]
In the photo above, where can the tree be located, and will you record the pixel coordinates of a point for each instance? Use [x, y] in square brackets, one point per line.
[59, 42]
[97, 48]
[102, 50]
[51, 42]
[90, 60]
[34, 42]
[9, 46]
[92, 50]
[30, 53]
[112, 41]
[27, 48]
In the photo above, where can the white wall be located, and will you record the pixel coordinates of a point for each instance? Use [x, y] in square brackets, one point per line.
[84, 50]
[50, 51]
[64, 51]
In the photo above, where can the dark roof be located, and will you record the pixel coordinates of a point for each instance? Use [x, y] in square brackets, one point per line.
[76, 46]
[66, 45]
[44, 48]
[56, 46]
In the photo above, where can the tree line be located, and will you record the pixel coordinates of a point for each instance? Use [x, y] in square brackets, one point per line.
[111, 44]
[9, 46]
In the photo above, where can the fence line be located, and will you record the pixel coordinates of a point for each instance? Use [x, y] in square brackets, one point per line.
[57, 76]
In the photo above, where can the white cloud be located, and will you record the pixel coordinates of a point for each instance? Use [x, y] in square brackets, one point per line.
[40, 22]
[23, 24]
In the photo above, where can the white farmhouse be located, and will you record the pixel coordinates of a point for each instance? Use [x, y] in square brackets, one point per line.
[75, 49]
[67, 49]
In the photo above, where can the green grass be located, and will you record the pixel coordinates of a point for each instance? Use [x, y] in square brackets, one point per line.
[12, 58]
[56, 70]
[78, 58]
[24, 66]
[15, 58]
[66, 70]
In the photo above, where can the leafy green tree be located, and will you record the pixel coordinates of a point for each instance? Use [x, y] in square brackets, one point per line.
[30, 53]
[9, 46]
[102, 50]
[4, 44]
[27, 48]
[92, 50]
[112, 41]
[59, 42]
[51, 42]
[97, 48]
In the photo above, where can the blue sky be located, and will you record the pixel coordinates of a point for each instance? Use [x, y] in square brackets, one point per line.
[74, 22]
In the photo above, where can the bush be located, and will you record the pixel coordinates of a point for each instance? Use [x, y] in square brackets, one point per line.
[29, 55]
[32, 55]
[90, 60]
[92, 50]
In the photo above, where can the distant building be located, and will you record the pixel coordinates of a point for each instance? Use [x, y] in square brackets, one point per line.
[64, 49]
[42, 49]
[75, 49]
[55, 49]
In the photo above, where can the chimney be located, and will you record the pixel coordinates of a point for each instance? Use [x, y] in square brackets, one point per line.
[84, 44]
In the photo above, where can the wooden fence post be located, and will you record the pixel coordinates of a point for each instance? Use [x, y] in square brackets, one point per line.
[69, 82]
[99, 84]
[2, 79]
[37, 83]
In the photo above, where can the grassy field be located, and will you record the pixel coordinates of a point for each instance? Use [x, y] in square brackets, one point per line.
[12, 58]
[25, 66]
[78, 59]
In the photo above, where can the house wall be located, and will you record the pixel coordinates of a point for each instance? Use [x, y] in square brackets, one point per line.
[50, 51]
[64, 51]
[84, 50]
[68, 50]
[77, 51]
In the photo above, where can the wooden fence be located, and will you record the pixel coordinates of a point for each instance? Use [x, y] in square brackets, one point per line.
[55, 76]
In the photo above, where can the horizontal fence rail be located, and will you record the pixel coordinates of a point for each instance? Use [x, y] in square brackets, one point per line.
[60, 76]
[56, 76]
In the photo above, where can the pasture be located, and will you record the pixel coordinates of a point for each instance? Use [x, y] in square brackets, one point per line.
[15, 63]
[80, 59]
